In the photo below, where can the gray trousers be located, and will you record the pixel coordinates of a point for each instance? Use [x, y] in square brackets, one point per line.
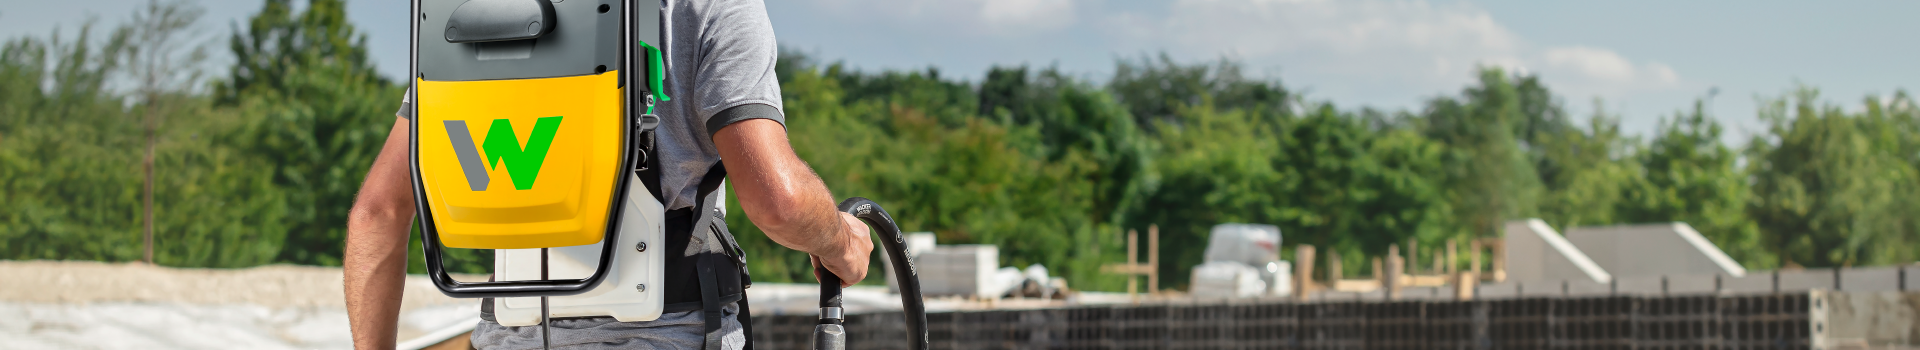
[677, 330]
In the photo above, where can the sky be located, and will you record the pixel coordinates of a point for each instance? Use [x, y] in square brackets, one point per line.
[1643, 59]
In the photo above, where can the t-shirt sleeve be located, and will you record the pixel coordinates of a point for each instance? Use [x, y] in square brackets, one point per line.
[406, 105]
[735, 80]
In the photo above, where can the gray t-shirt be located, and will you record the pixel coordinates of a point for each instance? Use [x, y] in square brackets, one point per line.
[720, 56]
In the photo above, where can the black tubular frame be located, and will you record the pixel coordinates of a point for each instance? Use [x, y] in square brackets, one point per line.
[430, 237]
[895, 244]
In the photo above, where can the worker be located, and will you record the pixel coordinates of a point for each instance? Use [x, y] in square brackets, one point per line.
[725, 104]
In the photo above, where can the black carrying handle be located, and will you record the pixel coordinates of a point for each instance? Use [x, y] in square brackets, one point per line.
[478, 21]
[895, 244]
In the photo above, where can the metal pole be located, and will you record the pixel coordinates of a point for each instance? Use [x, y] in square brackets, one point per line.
[546, 325]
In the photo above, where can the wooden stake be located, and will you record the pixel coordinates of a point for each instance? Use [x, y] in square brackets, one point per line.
[1153, 260]
[1390, 277]
[1133, 256]
[1302, 272]
[1473, 257]
[1334, 274]
[1452, 260]
[1413, 255]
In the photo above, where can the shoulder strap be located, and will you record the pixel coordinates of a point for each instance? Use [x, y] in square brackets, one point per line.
[721, 264]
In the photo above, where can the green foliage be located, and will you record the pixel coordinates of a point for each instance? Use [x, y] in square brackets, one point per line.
[262, 164]
[315, 110]
[70, 163]
[1834, 188]
[1691, 177]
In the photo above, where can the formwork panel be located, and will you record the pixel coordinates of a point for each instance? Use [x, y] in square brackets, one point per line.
[1267, 326]
[1596, 323]
[1457, 325]
[1334, 326]
[1521, 323]
[1699, 321]
[1396, 325]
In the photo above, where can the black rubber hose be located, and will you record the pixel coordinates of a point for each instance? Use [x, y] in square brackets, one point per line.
[829, 292]
[895, 244]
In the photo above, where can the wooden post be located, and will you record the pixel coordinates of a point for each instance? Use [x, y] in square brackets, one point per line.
[1413, 256]
[1379, 272]
[1334, 274]
[1451, 260]
[1463, 285]
[1133, 257]
[1302, 272]
[1153, 260]
[1473, 257]
[1391, 276]
[1499, 260]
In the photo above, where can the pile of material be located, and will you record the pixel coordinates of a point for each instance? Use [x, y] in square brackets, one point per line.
[1242, 261]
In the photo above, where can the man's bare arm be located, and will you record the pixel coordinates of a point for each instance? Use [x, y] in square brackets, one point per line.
[786, 199]
[376, 252]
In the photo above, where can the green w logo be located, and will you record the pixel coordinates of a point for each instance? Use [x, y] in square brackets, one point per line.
[503, 145]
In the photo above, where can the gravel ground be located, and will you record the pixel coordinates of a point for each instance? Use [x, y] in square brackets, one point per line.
[84, 304]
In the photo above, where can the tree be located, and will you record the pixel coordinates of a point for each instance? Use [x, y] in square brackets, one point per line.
[159, 29]
[1827, 192]
[1692, 177]
[315, 109]
[1490, 177]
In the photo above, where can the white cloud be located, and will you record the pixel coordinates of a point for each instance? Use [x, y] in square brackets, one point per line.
[997, 17]
[1349, 47]
[1600, 64]
[1385, 53]
[1030, 14]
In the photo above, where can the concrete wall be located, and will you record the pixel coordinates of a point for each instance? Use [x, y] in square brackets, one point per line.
[1652, 250]
[1535, 252]
[1865, 320]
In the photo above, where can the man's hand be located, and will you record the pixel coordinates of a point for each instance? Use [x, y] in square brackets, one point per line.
[850, 264]
[785, 199]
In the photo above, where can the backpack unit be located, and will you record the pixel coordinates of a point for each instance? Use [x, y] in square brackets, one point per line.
[532, 127]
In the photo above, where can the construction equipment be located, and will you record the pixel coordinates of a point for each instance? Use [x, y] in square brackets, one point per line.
[555, 99]
[580, 79]
[831, 334]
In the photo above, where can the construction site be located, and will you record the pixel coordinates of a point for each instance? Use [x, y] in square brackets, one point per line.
[1658, 286]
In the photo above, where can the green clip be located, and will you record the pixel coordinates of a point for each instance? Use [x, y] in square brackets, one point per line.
[656, 73]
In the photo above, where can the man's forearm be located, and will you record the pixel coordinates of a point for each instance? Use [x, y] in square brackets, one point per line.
[780, 193]
[376, 269]
[803, 222]
[783, 197]
[376, 247]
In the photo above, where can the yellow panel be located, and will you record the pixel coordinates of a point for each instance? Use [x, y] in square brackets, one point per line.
[568, 201]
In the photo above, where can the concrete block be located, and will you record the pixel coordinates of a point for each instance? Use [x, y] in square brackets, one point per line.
[1638, 285]
[1809, 279]
[1695, 284]
[1758, 282]
[1588, 288]
[958, 270]
[1503, 290]
[1844, 320]
[1535, 252]
[1871, 279]
[1669, 249]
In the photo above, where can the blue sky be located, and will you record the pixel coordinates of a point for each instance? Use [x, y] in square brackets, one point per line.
[1646, 59]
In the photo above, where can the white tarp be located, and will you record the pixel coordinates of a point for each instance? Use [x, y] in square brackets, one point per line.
[94, 305]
